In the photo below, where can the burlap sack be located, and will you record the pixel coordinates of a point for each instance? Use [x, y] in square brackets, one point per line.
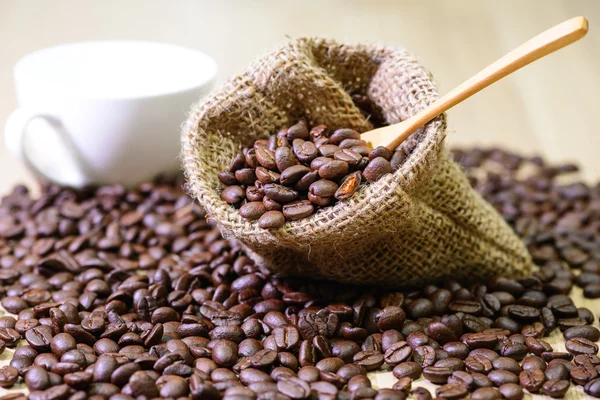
[422, 223]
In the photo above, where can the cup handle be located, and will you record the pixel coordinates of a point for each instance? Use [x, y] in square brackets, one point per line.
[15, 133]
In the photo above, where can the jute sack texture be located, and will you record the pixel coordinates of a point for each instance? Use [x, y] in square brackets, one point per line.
[422, 223]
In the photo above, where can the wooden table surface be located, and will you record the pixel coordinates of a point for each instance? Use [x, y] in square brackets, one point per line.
[549, 108]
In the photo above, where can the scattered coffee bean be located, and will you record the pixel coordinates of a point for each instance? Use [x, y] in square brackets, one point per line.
[204, 321]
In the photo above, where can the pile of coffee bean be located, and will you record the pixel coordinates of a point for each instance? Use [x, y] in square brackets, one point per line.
[131, 294]
[559, 222]
[290, 175]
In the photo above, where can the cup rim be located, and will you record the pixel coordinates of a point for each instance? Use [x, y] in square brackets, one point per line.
[203, 79]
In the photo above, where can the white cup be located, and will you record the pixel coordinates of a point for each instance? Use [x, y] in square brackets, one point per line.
[105, 112]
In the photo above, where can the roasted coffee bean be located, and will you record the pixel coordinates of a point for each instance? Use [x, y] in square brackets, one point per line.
[332, 364]
[350, 156]
[294, 388]
[340, 135]
[280, 193]
[532, 379]
[398, 353]
[38, 337]
[370, 360]
[486, 393]
[508, 364]
[334, 170]
[253, 210]
[437, 375]
[457, 349]
[555, 387]
[511, 391]
[584, 373]
[377, 168]
[271, 220]
[328, 149]
[348, 371]
[233, 194]
[298, 210]
[588, 332]
[455, 364]
[462, 378]
[479, 364]
[579, 345]
[409, 368]
[37, 378]
[451, 391]
[421, 393]
[424, 356]
[593, 388]
[285, 158]
[441, 333]
[293, 174]
[500, 377]
[556, 371]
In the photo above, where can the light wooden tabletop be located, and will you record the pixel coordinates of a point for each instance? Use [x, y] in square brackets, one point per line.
[549, 108]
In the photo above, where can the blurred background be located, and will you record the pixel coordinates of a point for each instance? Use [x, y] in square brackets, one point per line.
[549, 108]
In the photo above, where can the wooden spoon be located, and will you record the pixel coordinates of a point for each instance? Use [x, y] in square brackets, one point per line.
[543, 44]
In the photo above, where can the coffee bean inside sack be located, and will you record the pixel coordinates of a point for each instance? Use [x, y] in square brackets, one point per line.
[124, 294]
[293, 173]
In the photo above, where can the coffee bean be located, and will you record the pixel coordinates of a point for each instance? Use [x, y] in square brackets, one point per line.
[579, 345]
[330, 364]
[233, 194]
[293, 174]
[398, 353]
[294, 388]
[486, 393]
[532, 379]
[377, 168]
[584, 373]
[425, 356]
[253, 210]
[588, 332]
[380, 151]
[349, 371]
[271, 220]
[62, 343]
[328, 150]
[511, 391]
[437, 375]
[348, 186]
[479, 364]
[370, 360]
[593, 387]
[555, 388]
[500, 377]
[284, 158]
[266, 158]
[421, 393]
[556, 371]
[280, 193]
[298, 210]
[38, 337]
[333, 170]
[352, 157]
[297, 131]
[409, 368]
[451, 391]
[340, 135]
[37, 378]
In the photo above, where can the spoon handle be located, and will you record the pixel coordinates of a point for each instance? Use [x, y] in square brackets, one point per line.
[543, 44]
